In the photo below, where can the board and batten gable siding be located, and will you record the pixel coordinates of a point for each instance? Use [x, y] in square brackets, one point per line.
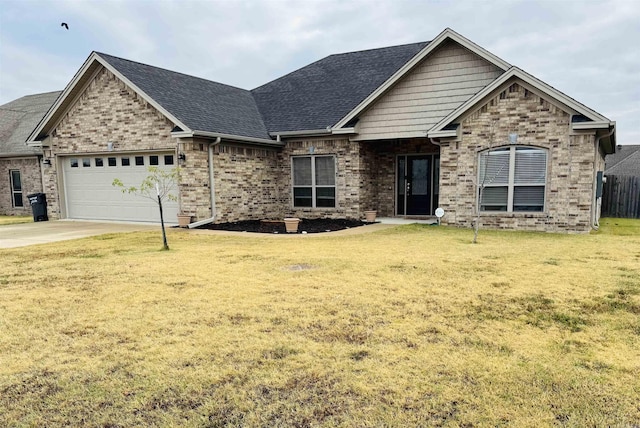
[444, 80]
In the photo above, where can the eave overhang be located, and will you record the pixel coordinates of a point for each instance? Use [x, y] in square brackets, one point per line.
[451, 133]
[579, 126]
[314, 132]
[227, 137]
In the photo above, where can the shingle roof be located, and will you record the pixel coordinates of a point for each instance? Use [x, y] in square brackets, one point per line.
[200, 104]
[18, 118]
[322, 93]
[625, 161]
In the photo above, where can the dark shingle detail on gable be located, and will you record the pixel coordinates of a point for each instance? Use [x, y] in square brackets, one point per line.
[322, 93]
[19, 118]
[200, 104]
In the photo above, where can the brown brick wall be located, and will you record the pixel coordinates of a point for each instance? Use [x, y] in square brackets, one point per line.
[107, 111]
[194, 195]
[246, 183]
[570, 159]
[31, 183]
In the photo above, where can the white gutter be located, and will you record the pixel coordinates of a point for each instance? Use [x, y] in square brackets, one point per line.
[212, 189]
[590, 125]
[307, 132]
[597, 202]
[351, 130]
[443, 134]
[217, 135]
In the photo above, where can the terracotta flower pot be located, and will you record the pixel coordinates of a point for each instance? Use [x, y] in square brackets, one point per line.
[370, 216]
[184, 220]
[291, 224]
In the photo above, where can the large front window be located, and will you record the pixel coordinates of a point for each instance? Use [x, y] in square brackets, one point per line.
[512, 179]
[16, 188]
[314, 181]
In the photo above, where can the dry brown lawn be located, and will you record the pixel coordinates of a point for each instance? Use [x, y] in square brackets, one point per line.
[15, 219]
[411, 326]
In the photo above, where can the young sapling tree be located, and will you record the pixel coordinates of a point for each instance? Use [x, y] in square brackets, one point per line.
[491, 167]
[156, 186]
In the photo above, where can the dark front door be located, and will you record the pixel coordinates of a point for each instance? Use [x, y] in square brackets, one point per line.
[417, 184]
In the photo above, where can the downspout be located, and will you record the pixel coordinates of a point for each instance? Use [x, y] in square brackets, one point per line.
[597, 202]
[212, 189]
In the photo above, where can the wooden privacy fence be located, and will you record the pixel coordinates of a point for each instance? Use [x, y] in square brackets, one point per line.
[621, 197]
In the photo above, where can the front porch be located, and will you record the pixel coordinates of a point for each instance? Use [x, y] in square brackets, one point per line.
[401, 178]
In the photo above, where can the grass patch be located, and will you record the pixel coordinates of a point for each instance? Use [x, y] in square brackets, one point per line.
[379, 329]
[15, 219]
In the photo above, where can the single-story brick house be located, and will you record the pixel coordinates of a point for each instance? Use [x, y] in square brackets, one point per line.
[19, 163]
[401, 130]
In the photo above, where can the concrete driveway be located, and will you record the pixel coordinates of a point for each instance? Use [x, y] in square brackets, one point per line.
[21, 235]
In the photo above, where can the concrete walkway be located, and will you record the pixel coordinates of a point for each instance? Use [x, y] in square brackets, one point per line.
[24, 234]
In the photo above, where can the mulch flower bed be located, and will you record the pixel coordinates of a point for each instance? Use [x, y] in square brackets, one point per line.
[274, 226]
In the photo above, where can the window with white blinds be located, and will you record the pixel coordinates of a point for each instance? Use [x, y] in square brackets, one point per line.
[314, 181]
[512, 179]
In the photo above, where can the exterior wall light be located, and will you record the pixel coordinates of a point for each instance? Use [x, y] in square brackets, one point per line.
[182, 157]
[46, 162]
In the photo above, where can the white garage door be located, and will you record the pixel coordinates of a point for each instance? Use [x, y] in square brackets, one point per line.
[89, 194]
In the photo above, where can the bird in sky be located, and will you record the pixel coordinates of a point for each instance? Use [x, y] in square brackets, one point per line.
[64, 24]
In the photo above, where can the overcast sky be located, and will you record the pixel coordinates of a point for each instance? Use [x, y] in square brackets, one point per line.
[587, 49]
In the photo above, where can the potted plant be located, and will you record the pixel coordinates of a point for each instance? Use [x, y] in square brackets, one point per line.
[184, 219]
[370, 216]
[291, 224]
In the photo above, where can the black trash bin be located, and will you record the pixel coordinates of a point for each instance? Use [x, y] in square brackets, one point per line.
[38, 203]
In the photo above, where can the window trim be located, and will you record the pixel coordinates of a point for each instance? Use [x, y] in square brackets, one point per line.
[511, 185]
[313, 184]
[14, 191]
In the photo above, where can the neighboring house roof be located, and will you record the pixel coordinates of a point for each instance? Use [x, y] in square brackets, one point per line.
[625, 161]
[319, 95]
[202, 105]
[18, 118]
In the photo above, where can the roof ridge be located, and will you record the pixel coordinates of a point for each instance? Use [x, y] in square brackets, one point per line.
[102, 54]
[426, 42]
[333, 55]
[26, 96]
[632, 155]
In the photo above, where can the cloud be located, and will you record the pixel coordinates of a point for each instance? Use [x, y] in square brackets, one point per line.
[31, 71]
